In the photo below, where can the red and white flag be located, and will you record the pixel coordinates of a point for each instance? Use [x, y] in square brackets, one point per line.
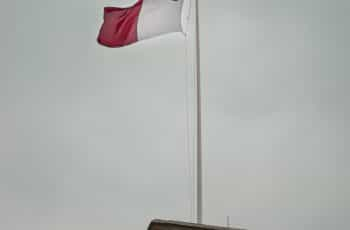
[145, 19]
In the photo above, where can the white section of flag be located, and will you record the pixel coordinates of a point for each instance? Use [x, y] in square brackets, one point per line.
[159, 17]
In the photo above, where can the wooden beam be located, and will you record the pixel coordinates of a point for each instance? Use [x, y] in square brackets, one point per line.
[176, 225]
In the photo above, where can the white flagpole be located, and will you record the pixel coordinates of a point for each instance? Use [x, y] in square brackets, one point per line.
[199, 146]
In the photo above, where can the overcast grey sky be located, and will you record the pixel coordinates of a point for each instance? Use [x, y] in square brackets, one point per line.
[95, 138]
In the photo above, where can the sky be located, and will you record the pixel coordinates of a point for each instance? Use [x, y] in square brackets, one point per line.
[92, 137]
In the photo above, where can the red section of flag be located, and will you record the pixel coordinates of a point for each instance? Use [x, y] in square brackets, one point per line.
[120, 25]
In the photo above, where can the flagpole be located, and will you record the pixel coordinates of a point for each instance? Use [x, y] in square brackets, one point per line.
[199, 144]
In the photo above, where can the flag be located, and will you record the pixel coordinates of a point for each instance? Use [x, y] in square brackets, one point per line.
[145, 19]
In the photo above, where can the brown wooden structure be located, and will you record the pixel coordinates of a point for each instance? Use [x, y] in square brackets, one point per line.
[175, 225]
